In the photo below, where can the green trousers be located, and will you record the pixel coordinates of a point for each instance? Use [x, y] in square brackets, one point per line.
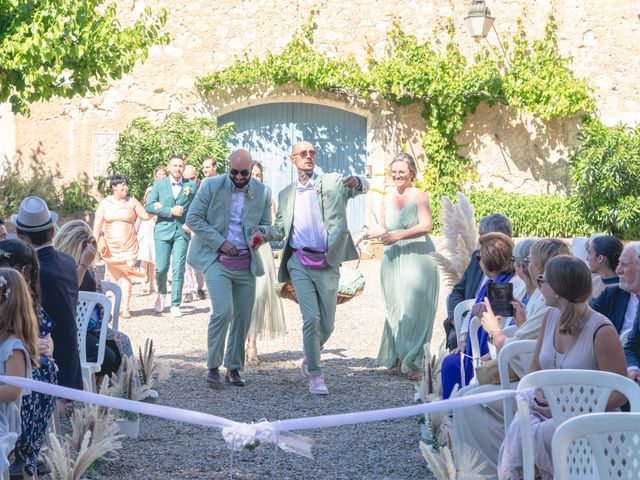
[317, 293]
[232, 294]
[176, 250]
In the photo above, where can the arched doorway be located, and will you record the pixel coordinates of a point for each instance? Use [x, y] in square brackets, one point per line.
[268, 132]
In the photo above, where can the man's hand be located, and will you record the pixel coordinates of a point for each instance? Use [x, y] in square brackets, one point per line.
[478, 309]
[177, 210]
[634, 375]
[186, 228]
[88, 254]
[157, 205]
[351, 182]
[257, 238]
[229, 248]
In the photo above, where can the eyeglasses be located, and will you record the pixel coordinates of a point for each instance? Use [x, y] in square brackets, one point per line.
[541, 280]
[242, 173]
[527, 261]
[306, 153]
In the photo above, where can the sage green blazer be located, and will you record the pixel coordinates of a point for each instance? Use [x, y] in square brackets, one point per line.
[168, 226]
[209, 217]
[332, 198]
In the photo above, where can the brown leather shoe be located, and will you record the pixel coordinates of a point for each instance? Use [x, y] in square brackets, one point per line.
[214, 379]
[234, 378]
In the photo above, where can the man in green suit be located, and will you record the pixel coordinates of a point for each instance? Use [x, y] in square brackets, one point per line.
[223, 216]
[312, 219]
[170, 199]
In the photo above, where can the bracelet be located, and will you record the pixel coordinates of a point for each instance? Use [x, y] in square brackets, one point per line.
[493, 332]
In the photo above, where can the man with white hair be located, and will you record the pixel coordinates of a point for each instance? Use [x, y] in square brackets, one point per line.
[629, 272]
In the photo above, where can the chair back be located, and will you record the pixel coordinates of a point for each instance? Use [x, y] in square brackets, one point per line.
[624, 337]
[570, 393]
[460, 309]
[522, 351]
[114, 288]
[597, 446]
[86, 303]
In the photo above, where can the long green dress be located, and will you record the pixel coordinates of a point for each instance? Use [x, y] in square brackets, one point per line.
[410, 285]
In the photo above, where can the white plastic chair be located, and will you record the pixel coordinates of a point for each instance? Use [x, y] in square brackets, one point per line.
[570, 393]
[114, 288]
[86, 303]
[461, 308]
[597, 446]
[624, 337]
[518, 350]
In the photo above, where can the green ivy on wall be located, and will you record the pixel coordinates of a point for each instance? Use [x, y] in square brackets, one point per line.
[534, 77]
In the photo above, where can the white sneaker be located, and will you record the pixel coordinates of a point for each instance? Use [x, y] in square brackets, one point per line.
[188, 297]
[317, 385]
[176, 312]
[160, 300]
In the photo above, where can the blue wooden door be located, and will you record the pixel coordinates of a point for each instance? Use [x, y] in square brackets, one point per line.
[269, 131]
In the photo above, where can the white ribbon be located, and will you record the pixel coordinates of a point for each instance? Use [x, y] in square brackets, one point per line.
[239, 435]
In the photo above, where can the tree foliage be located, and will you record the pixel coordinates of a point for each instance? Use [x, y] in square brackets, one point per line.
[605, 170]
[68, 47]
[142, 146]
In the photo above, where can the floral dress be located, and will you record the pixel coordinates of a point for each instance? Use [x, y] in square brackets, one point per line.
[36, 407]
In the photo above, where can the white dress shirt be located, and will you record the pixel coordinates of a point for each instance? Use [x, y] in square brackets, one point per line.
[175, 189]
[308, 228]
[235, 234]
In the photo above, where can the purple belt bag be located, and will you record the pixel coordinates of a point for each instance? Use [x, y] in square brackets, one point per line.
[312, 258]
[242, 261]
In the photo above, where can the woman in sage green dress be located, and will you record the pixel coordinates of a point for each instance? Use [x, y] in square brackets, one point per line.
[409, 278]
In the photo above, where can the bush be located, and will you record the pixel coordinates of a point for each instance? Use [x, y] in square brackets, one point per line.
[605, 171]
[36, 179]
[143, 146]
[532, 215]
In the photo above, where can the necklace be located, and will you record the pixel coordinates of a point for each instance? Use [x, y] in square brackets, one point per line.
[563, 356]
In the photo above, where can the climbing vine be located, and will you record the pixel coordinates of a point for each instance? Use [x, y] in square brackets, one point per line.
[532, 77]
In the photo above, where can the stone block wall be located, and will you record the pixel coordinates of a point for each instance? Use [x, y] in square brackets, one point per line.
[513, 151]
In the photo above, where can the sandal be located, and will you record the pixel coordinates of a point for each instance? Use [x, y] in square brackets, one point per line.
[396, 369]
[252, 357]
[415, 374]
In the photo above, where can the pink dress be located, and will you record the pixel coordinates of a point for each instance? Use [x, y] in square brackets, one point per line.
[120, 235]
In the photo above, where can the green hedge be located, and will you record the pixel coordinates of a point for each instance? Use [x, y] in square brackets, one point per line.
[531, 215]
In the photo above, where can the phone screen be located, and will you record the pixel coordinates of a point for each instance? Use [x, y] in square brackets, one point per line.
[500, 295]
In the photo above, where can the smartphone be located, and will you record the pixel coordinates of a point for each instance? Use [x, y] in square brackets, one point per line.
[500, 295]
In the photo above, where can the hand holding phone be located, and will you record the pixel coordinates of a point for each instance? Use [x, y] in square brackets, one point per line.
[500, 296]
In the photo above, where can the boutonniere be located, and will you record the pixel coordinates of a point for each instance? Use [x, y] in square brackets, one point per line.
[186, 190]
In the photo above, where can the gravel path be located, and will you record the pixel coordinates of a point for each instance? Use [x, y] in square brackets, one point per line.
[276, 390]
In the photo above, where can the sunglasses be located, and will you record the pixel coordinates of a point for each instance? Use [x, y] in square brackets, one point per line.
[541, 280]
[242, 173]
[306, 153]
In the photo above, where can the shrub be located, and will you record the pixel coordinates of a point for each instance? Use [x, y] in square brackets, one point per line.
[605, 171]
[142, 146]
[77, 197]
[532, 215]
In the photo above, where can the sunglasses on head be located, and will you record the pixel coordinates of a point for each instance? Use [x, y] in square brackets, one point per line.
[242, 173]
[305, 153]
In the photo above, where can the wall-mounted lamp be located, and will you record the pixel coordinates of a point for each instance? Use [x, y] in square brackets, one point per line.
[479, 19]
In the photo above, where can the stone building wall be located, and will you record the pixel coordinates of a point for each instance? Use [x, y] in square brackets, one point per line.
[511, 150]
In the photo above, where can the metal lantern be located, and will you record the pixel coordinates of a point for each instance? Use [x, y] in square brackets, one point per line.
[479, 19]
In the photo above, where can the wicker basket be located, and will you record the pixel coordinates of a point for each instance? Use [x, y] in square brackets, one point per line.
[287, 291]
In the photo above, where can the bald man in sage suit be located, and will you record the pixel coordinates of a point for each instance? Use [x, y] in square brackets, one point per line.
[312, 219]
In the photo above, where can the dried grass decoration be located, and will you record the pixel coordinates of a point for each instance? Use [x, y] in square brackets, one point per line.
[151, 370]
[94, 435]
[126, 385]
[350, 285]
[460, 237]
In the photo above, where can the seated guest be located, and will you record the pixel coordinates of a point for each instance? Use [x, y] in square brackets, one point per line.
[76, 239]
[572, 336]
[473, 278]
[495, 258]
[482, 426]
[36, 408]
[3, 231]
[629, 272]
[603, 252]
[618, 303]
[58, 283]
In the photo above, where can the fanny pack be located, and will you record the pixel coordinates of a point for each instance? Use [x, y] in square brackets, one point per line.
[242, 261]
[312, 258]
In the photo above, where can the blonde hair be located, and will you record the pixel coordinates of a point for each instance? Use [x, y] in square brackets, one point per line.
[545, 249]
[570, 278]
[17, 316]
[73, 237]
